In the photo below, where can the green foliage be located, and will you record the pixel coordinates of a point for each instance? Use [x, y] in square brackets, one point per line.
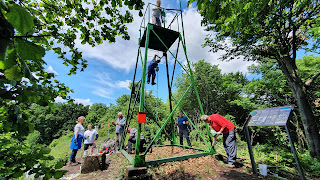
[28, 29]
[28, 155]
[95, 113]
[310, 165]
[218, 92]
[273, 32]
[261, 29]
[20, 19]
[60, 150]
[52, 122]
[271, 89]
[33, 138]
[29, 51]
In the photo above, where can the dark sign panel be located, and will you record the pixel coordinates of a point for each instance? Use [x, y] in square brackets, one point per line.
[276, 116]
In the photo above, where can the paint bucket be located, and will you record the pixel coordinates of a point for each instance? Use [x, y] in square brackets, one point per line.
[263, 169]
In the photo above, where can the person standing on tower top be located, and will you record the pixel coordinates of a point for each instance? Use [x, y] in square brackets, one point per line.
[157, 14]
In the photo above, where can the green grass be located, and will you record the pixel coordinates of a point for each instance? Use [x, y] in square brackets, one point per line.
[264, 154]
[60, 148]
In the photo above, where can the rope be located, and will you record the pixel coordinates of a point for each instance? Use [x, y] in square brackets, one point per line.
[157, 98]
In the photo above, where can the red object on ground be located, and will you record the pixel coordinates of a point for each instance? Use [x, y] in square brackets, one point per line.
[142, 117]
[217, 122]
[91, 150]
[100, 151]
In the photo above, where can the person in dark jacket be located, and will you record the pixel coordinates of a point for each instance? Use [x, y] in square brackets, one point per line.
[183, 128]
[152, 68]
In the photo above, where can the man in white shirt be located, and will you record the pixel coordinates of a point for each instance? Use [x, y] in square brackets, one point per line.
[90, 135]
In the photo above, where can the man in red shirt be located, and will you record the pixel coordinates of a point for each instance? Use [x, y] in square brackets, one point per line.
[222, 126]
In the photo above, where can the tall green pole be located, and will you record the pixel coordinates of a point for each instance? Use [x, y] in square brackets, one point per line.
[138, 160]
[192, 79]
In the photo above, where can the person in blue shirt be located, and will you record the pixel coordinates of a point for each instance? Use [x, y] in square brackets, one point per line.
[153, 66]
[183, 128]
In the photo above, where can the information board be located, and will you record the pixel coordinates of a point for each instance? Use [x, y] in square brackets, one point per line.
[276, 116]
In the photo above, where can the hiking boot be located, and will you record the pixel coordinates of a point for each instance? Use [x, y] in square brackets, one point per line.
[153, 83]
[71, 163]
[230, 166]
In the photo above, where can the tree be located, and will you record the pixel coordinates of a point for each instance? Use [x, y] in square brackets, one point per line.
[29, 29]
[269, 31]
[95, 113]
[270, 89]
[219, 92]
[52, 122]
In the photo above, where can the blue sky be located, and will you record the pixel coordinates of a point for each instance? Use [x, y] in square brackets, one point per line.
[111, 66]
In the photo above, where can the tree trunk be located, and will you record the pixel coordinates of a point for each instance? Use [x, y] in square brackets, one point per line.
[296, 85]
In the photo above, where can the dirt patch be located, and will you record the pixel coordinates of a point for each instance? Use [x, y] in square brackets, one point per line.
[199, 168]
[168, 151]
[206, 167]
[114, 169]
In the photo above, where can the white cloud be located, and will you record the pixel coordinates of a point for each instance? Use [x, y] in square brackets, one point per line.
[59, 100]
[104, 79]
[195, 36]
[85, 102]
[123, 84]
[105, 86]
[51, 70]
[102, 92]
[122, 54]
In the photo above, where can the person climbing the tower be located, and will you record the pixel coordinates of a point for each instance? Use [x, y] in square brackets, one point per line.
[183, 128]
[133, 138]
[157, 14]
[152, 68]
[222, 126]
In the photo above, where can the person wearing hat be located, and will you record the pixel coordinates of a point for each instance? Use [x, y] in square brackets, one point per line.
[222, 126]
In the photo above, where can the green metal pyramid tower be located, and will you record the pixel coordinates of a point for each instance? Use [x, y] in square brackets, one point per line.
[161, 38]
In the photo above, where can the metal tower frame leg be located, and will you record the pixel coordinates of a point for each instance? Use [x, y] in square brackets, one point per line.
[139, 161]
[173, 140]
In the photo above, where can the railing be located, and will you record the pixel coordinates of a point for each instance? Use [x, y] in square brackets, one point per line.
[147, 18]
